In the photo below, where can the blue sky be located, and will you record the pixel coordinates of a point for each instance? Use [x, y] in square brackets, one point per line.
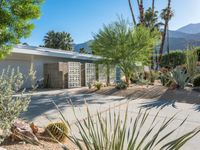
[82, 18]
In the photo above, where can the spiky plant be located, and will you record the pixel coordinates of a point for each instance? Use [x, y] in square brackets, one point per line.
[179, 77]
[114, 131]
[57, 130]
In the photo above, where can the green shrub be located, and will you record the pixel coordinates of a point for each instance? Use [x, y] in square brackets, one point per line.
[98, 85]
[121, 85]
[11, 106]
[198, 52]
[191, 62]
[196, 81]
[173, 59]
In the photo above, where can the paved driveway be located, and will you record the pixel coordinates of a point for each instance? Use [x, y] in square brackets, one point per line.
[42, 110]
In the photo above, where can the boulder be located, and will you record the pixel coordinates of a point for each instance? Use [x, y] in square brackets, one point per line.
[22, 131]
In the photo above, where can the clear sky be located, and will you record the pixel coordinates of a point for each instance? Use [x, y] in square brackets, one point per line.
[81, 18]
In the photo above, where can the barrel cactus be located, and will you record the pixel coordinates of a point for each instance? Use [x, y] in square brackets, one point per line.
[57, 130]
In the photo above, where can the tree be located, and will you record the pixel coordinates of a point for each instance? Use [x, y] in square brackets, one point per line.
[166, 15]
[141, 11]
[58, 40]
[82, 50]
[151, 19]
[122, 45]
[15, 17]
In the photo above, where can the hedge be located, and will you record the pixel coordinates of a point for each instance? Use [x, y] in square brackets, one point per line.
[173, 59]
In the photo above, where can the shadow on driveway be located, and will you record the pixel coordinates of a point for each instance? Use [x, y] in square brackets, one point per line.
[42, 104]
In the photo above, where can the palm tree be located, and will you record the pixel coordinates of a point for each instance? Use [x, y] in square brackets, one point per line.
[58, 40]
[166, 15]
[131, 9]
[151, 22]
[151, 19]
[141, 11]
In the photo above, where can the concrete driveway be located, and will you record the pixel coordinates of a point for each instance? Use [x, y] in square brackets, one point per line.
[41, 110]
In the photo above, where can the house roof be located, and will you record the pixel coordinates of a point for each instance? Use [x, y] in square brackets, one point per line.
[41, 51]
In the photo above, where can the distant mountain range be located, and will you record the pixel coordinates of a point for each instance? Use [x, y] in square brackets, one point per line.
[180, 39]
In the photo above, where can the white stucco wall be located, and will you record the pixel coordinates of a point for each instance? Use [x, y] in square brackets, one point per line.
[24, 61]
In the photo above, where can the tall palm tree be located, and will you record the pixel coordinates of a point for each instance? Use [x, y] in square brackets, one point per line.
[166, 15]
[141, 10]
[151, 19]
[132, 13]
[58, 40]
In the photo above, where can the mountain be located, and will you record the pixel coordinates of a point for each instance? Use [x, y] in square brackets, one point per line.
[85, 45]
[180, 39]
[190, 29]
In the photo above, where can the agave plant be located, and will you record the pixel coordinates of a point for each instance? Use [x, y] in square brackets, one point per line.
[114, 131]
[179, 77]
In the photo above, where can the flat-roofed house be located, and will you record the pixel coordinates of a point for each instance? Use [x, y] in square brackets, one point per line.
[23, 56]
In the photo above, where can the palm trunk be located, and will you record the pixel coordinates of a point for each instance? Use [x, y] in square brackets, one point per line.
[131, 9]
[153, 8]
[141, 11]
[163, 42]
[164, 33]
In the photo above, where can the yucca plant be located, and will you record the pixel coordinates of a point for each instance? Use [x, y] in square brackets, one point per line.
[113, 131]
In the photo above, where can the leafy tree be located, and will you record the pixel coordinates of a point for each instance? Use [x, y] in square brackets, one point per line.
[120, 44]
[15, 17]
[58, 40]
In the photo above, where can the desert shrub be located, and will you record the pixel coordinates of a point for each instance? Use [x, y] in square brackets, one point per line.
[98, 85]
[173, 59]
[196, 81]
[198, 53]
[89, 84]
[154, 75]
[191, 62]
[121, 85]
[57, 130]
[178, 77]
[116, 131]
[11, 105]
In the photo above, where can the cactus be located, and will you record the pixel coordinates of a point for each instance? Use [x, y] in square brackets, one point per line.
[57, 130]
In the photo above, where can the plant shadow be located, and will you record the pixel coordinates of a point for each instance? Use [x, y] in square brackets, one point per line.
[158, 104]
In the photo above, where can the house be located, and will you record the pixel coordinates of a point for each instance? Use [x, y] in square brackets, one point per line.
[23, 56]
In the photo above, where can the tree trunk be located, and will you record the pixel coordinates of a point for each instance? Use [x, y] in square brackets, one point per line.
[164, 33]
[141, 10]
[131, 9]
[163, 42]
[108, 74]
[127, 79]
[153, 8]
